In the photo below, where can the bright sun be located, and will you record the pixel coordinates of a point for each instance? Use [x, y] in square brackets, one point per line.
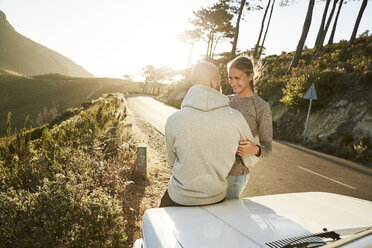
[150, 38]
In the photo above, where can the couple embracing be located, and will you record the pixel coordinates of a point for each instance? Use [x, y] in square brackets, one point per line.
[210, 141]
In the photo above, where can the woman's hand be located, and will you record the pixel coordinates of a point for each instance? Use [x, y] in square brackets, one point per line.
[247, 148]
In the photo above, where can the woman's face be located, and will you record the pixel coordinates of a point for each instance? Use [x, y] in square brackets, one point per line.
[239, 81]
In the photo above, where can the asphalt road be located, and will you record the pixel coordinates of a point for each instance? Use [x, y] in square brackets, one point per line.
[290, 168]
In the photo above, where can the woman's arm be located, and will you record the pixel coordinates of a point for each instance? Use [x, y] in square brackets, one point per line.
[265, 135]
[247, 148]
[265, 131]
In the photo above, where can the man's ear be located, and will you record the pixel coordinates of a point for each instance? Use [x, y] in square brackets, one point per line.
[212, 84]
[216, 85]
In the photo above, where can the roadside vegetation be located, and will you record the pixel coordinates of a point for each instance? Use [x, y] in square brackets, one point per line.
[64, 184]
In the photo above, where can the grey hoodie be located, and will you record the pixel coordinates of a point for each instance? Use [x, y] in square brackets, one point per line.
[201, 142]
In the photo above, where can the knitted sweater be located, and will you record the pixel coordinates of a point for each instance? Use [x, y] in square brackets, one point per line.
[257, 113]
[201, 142]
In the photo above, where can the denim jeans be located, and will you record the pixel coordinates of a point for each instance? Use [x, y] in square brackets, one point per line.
[236, 185]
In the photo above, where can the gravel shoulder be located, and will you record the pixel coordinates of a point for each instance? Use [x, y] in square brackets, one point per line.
[146, 193]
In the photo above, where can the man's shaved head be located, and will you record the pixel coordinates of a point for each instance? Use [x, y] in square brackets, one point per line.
[206, 73]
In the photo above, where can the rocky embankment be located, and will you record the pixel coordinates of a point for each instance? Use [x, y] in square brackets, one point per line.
[342, 128]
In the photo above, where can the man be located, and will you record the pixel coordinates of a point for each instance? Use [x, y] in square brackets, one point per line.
[201, 141]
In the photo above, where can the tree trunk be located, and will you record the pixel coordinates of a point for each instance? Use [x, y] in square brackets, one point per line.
[188, 62]
[362, 8]
[321, 28]
[321, 42]
[209, 43]
[159, 86]
[145, 87]
[214, 48]
[305, 31]
[331, 37]
[262, 27]
[211, 48]
[236, 35]
[267, 28]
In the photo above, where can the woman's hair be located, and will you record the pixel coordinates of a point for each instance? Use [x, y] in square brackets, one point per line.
[248, 65]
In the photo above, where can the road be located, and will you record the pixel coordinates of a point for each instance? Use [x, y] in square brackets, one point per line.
[290, 168]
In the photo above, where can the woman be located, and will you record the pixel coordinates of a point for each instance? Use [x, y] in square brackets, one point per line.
[242, 76]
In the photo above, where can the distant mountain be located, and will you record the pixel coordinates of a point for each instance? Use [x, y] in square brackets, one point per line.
[22, 55]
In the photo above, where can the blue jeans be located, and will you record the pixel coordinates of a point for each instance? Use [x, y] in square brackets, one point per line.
[236, 185]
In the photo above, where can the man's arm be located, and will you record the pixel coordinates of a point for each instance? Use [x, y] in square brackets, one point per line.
[246, 134]
[169, 144]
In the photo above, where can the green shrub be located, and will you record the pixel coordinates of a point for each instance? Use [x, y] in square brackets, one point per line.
[86, 104]
[60, 213]
[326, 84]
[66, 114]
[346, 139]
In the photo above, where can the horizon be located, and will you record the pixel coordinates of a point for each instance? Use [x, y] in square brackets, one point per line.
[98, 40]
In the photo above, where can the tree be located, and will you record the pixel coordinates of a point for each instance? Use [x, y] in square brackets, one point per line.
[321, 28]
[237, 8]
[258, 49]
[154, 78]
[149, 72]
[237, 26]
[305, 31]
[255, 52]
[324, 32]
[128, 77]
[267, 28]
[214, 24]
[360, 14]
[162, 75]
[190, 37]
[331, 37]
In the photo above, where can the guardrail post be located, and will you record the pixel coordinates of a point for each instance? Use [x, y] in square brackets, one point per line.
[142, 159]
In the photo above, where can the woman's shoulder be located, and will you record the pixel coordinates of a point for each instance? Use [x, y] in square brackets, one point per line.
[263, 107]
[261, 101]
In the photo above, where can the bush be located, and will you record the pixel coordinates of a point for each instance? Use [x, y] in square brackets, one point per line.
[346, 139]
[363, 151]
[60, 213]
[326, 84]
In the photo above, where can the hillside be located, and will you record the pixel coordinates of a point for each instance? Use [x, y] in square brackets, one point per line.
[341, 118]
[22, 55]
[44, 97]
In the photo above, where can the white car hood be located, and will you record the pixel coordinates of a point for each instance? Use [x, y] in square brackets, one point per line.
[253, 222]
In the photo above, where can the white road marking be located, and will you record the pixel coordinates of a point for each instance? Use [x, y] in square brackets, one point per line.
[326, 177]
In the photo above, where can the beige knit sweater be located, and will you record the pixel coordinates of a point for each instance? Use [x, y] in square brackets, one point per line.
[201, 142]
[257, 113]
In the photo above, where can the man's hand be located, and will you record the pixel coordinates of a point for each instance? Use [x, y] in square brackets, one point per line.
[247, 148]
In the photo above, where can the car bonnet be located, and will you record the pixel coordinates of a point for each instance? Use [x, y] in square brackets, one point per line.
[255, 221]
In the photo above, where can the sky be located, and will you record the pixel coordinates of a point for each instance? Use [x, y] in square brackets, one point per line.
[112, 38]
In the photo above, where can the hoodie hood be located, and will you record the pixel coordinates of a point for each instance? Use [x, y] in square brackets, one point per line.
[204, 98]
